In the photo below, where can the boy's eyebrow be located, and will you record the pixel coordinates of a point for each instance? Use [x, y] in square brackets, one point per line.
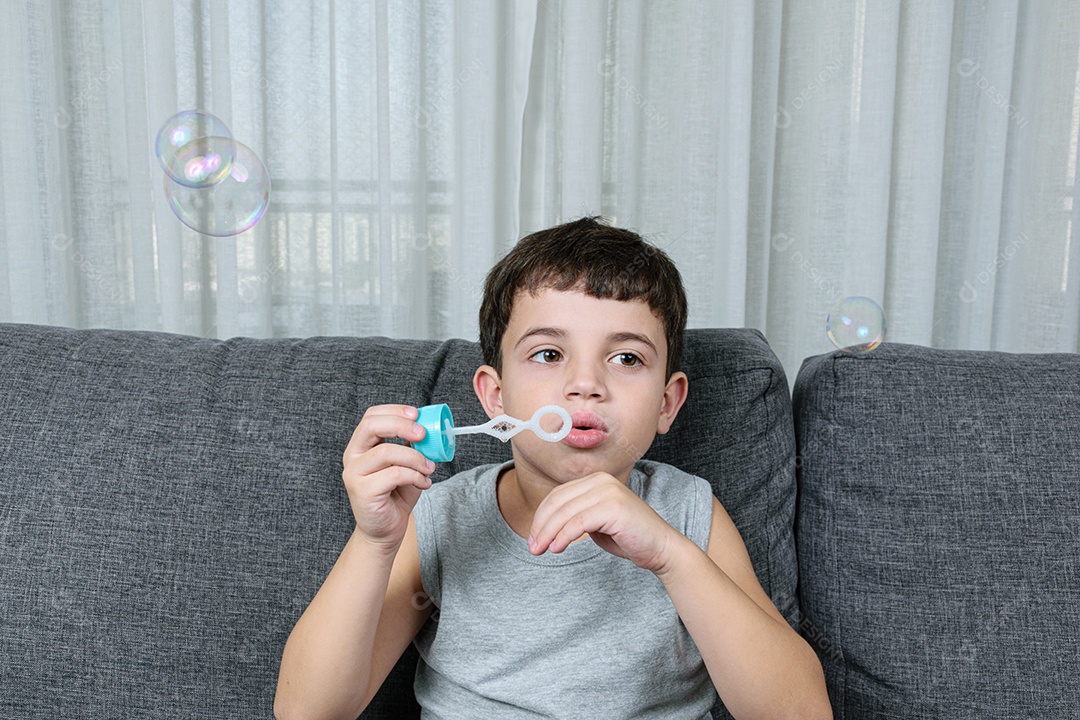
[615, 337]
[546, 331]
[632, 337]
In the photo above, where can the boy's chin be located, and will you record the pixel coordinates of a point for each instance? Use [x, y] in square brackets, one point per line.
[566, 467]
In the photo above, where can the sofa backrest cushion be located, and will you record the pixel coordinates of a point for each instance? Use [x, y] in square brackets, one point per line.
[939, 529]
[169, 504]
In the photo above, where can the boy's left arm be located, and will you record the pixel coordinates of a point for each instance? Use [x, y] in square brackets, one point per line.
[760, 666]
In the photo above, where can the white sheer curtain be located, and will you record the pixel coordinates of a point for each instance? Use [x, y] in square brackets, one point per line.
[920, 152]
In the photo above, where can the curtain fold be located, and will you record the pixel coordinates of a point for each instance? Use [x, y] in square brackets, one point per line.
[786, 155]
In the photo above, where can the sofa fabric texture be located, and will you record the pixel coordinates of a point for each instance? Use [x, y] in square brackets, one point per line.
[169, 504]
[938, 531]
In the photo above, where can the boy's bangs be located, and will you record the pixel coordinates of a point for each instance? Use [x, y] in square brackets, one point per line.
[603, 288]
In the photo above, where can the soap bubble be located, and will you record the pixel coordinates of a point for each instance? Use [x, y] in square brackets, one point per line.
[214, 184]
[195, 148]
[229, 207]
[856, 324]
[203, 162]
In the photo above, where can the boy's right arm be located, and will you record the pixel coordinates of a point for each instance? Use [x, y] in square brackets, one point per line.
[366, 612]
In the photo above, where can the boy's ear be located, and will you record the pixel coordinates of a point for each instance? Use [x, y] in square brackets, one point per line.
[488, 387]
[678, 387]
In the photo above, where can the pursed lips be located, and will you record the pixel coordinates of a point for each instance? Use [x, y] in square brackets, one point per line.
[588, 432]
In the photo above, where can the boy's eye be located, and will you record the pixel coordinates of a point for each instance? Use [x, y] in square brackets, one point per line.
[628, 359]
[547, 356]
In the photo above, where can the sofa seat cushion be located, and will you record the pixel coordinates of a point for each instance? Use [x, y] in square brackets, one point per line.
[938, 530]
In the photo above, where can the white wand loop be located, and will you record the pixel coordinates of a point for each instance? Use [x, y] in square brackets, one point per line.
[505, 427]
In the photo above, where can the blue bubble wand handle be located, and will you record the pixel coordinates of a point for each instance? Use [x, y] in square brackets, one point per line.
[439, 441]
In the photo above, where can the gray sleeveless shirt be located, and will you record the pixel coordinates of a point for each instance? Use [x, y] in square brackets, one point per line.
[581, 634]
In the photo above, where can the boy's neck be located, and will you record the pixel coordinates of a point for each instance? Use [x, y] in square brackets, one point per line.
[516, 504]
[518, 500]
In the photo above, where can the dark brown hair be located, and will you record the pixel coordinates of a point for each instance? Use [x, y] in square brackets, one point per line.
[591, 256]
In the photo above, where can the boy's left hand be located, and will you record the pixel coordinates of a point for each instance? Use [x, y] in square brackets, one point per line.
[611, 513]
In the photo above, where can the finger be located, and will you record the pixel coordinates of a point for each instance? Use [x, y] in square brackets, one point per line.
[558, 499]
[386, 488]
[383, 422]
[563, 494]
[391, 481]
[569, 521]
[409, 411]
[387, 456]
[590, 520]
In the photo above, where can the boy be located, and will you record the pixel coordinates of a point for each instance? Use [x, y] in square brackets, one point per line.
[575, 580]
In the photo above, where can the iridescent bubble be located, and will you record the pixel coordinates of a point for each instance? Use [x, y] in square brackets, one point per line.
[203, 162]
[231, 206]
[195, 148]
[856, 324]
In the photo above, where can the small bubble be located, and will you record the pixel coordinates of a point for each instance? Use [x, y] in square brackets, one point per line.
[856, 324]
[194, 148]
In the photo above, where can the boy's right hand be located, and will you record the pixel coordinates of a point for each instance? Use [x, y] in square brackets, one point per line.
[384, 480]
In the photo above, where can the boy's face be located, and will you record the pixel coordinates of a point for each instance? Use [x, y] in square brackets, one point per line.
[602, 360]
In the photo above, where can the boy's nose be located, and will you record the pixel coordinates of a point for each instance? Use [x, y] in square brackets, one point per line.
[584, 381]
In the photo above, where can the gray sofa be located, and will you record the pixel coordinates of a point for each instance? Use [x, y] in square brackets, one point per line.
[169, 505]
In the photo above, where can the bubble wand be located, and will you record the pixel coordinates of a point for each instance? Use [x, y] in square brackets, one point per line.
[439, 441]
